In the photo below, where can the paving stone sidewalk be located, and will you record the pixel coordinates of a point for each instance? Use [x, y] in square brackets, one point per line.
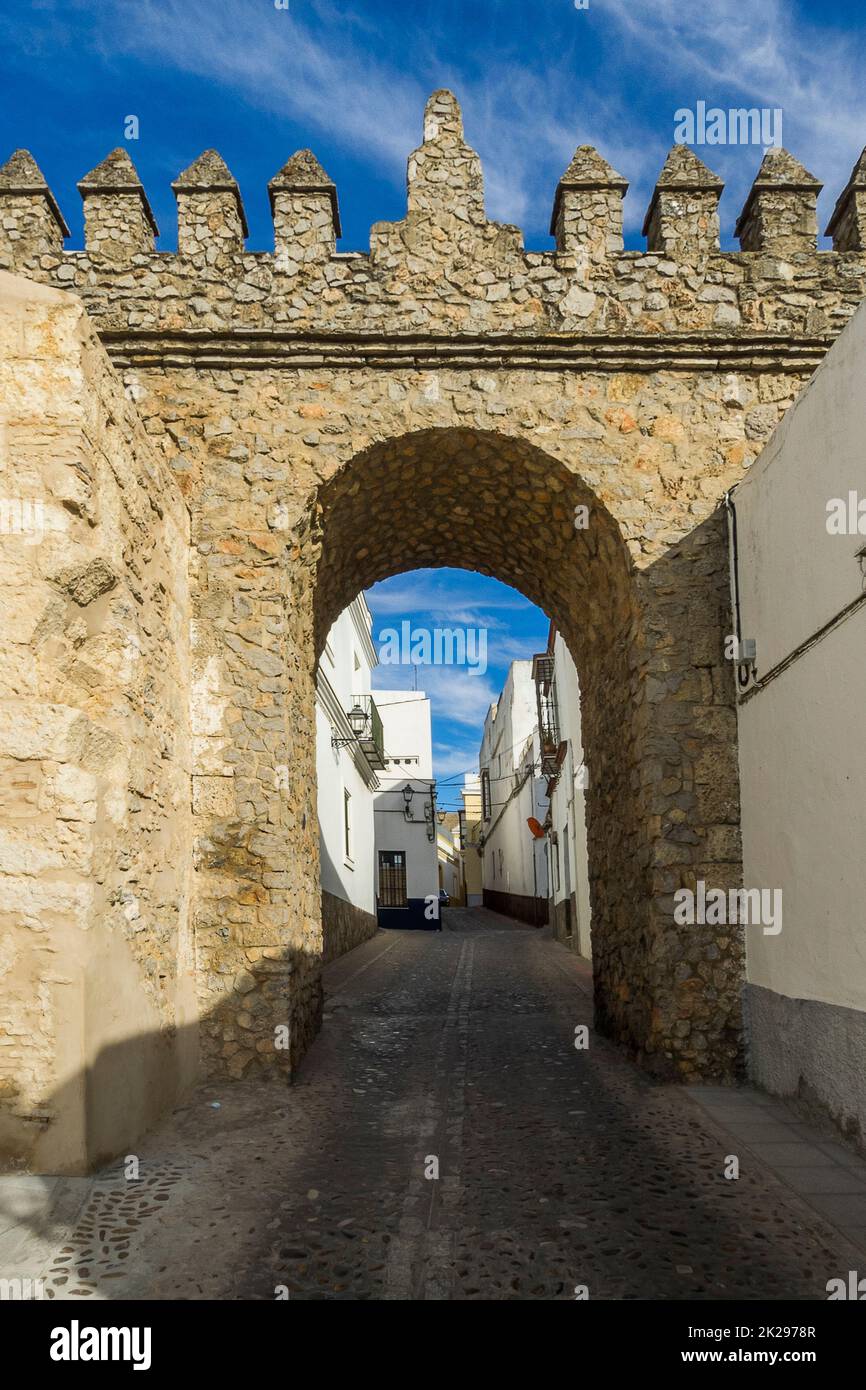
[557, 1167]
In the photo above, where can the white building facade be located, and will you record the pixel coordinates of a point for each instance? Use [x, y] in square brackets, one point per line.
[349, 758]
[406, 856]
[798, 542]
[562, 764]
[471, 834]
[448, 853]
[514, 860]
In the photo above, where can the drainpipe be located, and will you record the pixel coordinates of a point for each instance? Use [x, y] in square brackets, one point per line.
[744, 672]
[532, 848]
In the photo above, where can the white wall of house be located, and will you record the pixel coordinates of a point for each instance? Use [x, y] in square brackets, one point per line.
[802, 745]
[406, 720]
[569, 866]
[408, 733]
[345, 672]
[514, 862]
[470, 793]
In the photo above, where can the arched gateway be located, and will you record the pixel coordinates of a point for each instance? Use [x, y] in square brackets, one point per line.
[568, 421]
[492, 500]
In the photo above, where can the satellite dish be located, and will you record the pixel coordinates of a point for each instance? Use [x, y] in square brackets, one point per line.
[536, 827]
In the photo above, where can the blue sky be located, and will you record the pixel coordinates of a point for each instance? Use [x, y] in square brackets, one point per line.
[536, 78]
[460, 697]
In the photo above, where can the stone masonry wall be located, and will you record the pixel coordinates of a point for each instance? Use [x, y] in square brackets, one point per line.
[344, 926]
[560, 923]
[449, 398]
[97, 988]
[534, 911]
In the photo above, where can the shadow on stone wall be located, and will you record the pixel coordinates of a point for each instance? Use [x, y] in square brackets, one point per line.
[103, 1111]
[690, 804]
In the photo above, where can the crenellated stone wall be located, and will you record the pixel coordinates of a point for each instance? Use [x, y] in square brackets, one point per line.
[445, 269]
[449, 398]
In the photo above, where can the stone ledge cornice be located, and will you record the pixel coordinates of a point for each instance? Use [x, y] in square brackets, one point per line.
[265, 350]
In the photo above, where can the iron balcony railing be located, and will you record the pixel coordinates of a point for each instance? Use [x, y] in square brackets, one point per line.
[544, 673]
[372, 737]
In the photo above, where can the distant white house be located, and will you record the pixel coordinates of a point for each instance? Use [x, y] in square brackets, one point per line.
[514, 860]
[448, 853]
[562, 765]
[406, 865]
[471, 831]
[349, 757]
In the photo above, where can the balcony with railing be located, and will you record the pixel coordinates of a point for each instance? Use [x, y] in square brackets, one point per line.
[366, 723]
[548, 714]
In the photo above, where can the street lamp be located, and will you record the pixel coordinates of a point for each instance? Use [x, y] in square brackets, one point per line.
[358, 720]
[357, 717]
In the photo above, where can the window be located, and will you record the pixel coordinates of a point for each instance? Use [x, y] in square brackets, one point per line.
[485, 794]
[392, 878]
[347, 822]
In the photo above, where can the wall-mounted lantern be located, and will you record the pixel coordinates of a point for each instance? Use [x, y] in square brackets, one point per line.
[357, 718]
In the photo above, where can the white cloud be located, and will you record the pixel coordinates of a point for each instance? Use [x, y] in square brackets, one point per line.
[338, 72]
[441, 596]
[455, 693]
[765, 55]
[317, 64]
[450, 761]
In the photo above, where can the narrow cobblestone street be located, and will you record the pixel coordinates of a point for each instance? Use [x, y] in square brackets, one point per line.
[557, 1167]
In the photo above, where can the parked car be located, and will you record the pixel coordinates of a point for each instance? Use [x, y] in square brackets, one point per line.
[444, 900]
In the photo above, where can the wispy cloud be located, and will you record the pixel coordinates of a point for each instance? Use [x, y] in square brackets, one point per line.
[456, 695]
[534, 81]
[277, 63]
[344, 77]
[441, 594]
[769, 54]
[451, 761]
[524, 117]
[459, 698]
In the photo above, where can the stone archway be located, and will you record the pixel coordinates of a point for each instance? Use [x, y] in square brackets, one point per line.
[501, 505]
[299, 401]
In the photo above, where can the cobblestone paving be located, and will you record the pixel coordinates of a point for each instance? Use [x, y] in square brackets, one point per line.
[558, 1167]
